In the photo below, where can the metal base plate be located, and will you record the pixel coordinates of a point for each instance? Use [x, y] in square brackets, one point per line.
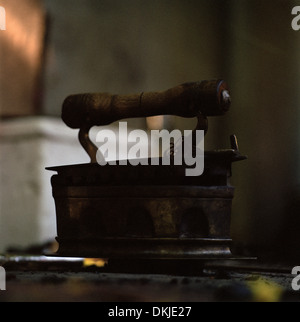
[146, 248]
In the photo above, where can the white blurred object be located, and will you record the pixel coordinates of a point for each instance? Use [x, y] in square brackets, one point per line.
[27, 146]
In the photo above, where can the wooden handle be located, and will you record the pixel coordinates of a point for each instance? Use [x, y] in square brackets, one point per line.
[207, 98]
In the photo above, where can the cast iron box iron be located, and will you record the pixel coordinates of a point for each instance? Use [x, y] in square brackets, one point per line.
[145, 211]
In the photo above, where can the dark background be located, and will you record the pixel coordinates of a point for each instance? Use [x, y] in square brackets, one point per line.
[54, 48]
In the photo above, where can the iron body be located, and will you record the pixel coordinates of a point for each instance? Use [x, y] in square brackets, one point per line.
[145, 211]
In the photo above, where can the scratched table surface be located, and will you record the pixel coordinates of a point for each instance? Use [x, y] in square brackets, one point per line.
[51, 279]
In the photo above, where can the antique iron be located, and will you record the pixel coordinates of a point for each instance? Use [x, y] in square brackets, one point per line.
[145, 211]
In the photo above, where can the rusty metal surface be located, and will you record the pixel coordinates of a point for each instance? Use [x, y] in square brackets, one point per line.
[144, 211]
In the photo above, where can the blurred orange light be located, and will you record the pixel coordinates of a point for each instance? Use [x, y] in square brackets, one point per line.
[98, 262]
